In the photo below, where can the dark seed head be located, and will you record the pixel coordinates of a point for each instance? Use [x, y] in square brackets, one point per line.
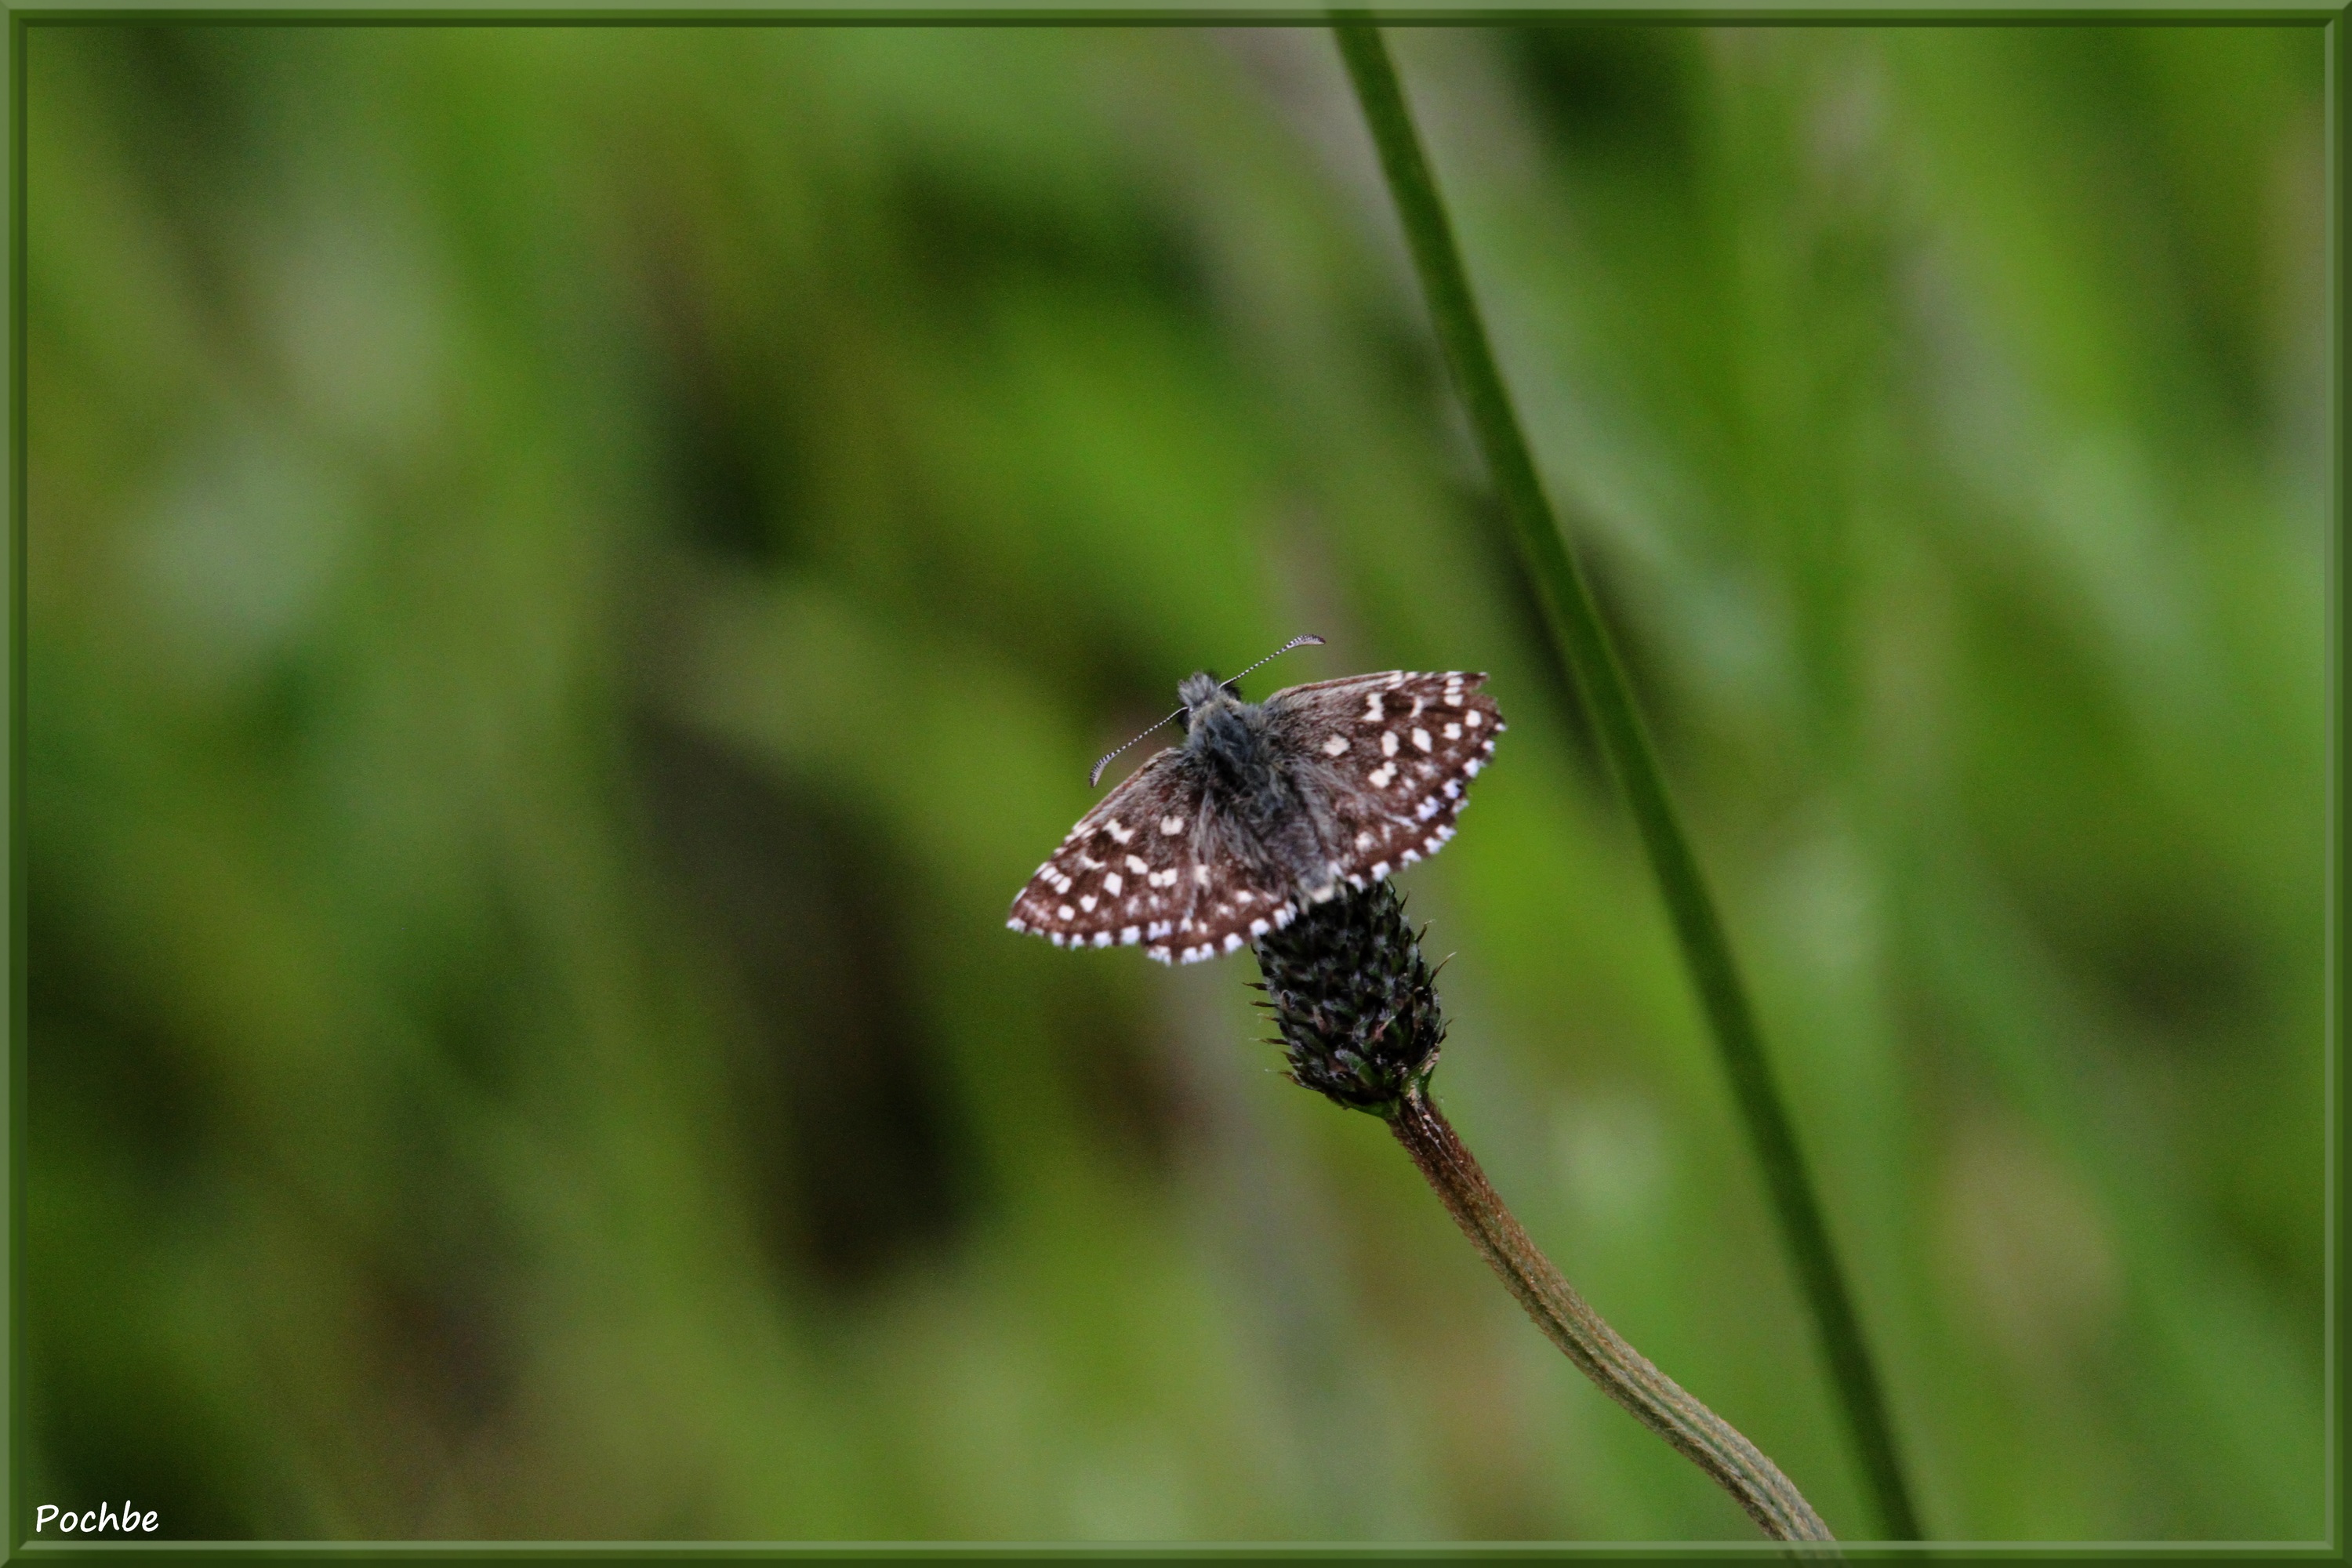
[1355, 1006]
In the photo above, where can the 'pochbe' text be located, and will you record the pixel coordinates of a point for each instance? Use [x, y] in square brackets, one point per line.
[105, 1519]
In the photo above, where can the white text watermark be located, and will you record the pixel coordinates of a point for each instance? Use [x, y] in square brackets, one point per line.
[106, 1518]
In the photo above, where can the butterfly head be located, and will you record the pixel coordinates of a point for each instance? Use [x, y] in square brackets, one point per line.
[1203, 694]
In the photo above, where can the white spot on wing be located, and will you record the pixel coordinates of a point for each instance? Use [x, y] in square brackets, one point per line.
[1388, 742]
[1112, 884]
[1420, 739]
[1171, 825]
[1336, 746]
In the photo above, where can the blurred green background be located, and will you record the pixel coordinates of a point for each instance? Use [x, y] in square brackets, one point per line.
[573, 572]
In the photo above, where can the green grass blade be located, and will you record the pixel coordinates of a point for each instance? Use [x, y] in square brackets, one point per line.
[1584, 645]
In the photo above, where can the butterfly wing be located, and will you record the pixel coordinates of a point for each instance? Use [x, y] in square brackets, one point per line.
[1394, 754]
[1148, 866]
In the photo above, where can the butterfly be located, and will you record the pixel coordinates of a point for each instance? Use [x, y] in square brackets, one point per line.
[1266, 808]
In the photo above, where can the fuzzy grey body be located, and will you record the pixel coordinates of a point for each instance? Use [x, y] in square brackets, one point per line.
[1265, 809]
[1268, 799]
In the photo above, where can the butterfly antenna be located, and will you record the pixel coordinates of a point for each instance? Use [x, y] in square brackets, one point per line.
[1303, 640]
[1094, 778]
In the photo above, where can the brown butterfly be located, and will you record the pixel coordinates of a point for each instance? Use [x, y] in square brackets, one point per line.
[1265, 808]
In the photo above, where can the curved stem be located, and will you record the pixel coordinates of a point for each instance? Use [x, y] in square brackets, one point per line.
[1584, 645]
[1624, 1375]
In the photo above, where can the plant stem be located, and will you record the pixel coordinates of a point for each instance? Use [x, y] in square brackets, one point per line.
[1656, 1400]
[1584, 645]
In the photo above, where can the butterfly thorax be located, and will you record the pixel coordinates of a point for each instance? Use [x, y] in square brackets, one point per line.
[1251, 779]
[1225, 739]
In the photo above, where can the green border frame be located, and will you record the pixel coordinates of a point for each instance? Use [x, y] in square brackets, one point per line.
[2330, 15]
[1207, 14]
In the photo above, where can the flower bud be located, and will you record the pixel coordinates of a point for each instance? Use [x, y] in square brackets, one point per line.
[1355, 1004]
